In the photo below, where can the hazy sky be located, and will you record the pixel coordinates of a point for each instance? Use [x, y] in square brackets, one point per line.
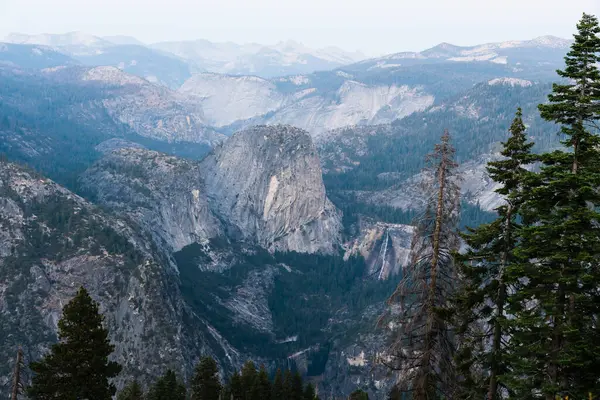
[373, 26]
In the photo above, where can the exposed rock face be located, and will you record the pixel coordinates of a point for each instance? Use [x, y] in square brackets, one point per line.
[303, 101]
[51, 243]
[266, 184]
[148, 109]
[385, 247]
[225, 98]
[354, 363]
[162, 193]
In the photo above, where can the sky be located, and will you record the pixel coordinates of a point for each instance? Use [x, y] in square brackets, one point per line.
[374, 27]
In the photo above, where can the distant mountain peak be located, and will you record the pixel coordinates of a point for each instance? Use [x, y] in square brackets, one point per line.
[123, 40]
[75, 38]
[552, 41]
[510, 82]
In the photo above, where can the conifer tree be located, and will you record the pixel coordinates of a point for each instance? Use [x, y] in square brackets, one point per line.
[77, 367]
[133, 391]
[359, 395]
[297, 387]
[236, 388]
[249, 378]
[288, 384]
[554, 346]
[309, 392]
[422, 347]
[262, 385]
[167, 387]
[480, 304]
[206, 384]
[278, 387]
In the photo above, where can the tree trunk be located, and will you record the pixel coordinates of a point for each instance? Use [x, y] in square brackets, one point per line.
[497, 340]
[16, 387]
[556, 343]
[422, 381]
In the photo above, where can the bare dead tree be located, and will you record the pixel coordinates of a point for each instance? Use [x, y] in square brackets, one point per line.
[421, 348]
[17, 385]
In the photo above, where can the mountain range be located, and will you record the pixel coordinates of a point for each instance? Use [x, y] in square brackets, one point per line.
[241, 216]
[172, 62]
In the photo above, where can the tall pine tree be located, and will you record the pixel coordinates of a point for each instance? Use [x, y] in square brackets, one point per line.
[249, 378]
[133, 391]
[480, 304]
[422, 347]
[236, 390]
[206, 384]
[77, 367]
[167, 387]
[554, 323]
[309, 392]
[262, 385]
[278, 391]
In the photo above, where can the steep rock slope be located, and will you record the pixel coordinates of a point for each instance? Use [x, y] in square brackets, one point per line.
[384, 246]
[163, 193]
[266, 183]
[57, 132]
[226, 99]
[313, 102]
[263, 186]
[380, 165]
[375, 91]
[51, 243]
[149, 110]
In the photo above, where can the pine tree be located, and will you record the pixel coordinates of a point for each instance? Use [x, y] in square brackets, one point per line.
[133, 391]
[297, 387]
[206, 384]
[236, 387]
[309, 392]
[278, 391]
[167, 387]
[359, 395]
[249, 378]
[554, 346]
[262, 390]
[77, 367]
[422, 347]
[480, 303]
[288, 384]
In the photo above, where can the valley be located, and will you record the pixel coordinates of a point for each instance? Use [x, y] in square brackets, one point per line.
[244, 202]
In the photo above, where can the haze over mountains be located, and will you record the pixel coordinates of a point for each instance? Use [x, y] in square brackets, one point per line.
[200, 55]
[174, 179]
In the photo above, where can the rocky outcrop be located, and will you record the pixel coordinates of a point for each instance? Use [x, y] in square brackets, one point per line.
[354, 363]
[148, 109]
[266, 185]
[316, 102]
[164, 194]
[385, 247]
[263, 186]
[51, 243]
